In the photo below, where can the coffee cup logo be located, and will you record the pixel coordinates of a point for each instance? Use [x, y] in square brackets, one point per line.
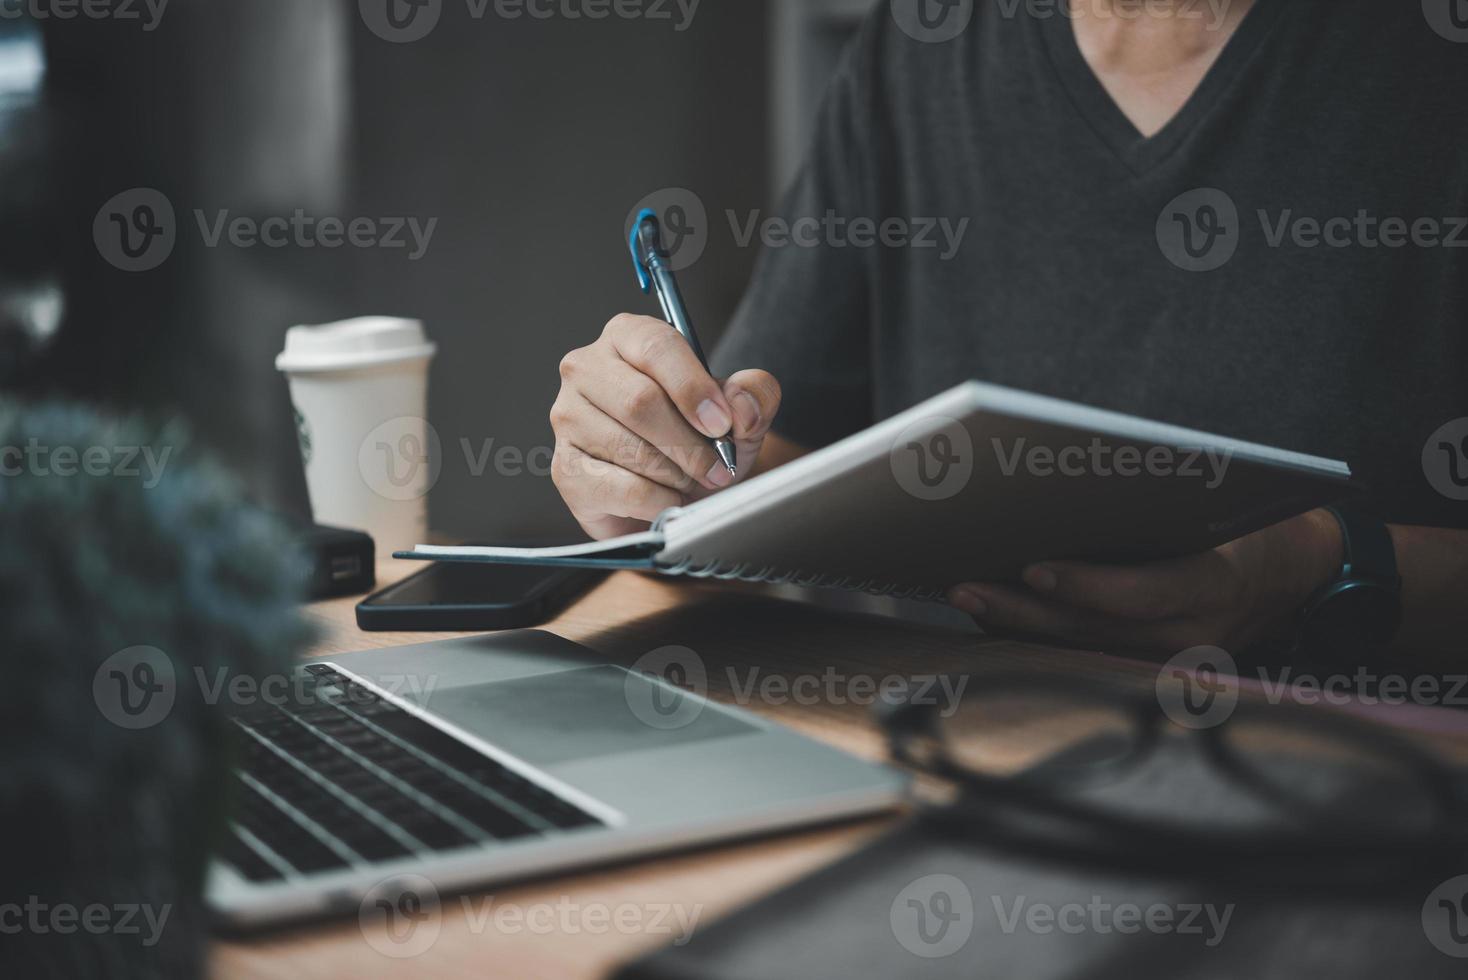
[303, 435]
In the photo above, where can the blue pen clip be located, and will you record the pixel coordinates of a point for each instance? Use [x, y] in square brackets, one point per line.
[644, 278]
[647, 255]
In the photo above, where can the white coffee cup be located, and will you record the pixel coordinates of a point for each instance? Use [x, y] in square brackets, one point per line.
[360, 391]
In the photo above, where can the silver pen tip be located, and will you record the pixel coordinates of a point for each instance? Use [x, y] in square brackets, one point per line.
[726, 452]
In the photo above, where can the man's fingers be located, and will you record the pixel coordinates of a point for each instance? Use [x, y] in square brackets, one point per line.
[1017, 611]
[1151, 591]
[601, 436]
[636, 402]
[657, 350]
[754, 396]
[595, 489]
[635, 419]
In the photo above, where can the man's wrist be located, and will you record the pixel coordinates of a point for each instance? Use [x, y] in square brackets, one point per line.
[1356, 614]
[1308, 553]
[1321, 548]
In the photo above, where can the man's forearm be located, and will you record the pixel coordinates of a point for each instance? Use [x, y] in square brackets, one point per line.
[1434, 567]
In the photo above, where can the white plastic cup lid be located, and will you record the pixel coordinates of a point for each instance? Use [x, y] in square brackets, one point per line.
[363, 342]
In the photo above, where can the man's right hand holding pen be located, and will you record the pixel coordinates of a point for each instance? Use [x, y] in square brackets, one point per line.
[633, 420]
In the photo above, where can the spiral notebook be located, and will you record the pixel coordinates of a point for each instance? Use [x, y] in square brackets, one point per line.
[971, 485]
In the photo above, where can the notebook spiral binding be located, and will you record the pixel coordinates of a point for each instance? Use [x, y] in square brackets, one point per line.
[774, 575]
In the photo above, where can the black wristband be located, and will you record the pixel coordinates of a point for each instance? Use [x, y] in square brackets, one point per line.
[1351, 620]
[1369, 551]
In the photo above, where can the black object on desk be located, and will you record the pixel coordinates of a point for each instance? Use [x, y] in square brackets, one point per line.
[925, 901]
[342, 561]
[466, 597]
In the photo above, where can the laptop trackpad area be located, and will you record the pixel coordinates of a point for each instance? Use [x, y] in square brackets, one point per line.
[582, 714]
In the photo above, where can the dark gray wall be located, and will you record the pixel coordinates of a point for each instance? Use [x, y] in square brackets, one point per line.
[531, 141]
[221, 106]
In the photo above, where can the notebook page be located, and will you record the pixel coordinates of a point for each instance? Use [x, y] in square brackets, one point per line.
[628, 546]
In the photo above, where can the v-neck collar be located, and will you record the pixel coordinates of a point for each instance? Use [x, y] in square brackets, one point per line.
[1140, 153]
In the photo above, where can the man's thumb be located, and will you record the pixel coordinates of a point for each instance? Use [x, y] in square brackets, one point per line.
[755, 397]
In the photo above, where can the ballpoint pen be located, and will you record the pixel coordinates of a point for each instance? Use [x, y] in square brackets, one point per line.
[651, 260]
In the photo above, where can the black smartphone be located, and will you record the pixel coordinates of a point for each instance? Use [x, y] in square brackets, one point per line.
[460, 596]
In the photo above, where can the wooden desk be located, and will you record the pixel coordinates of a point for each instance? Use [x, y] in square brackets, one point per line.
[733, 629]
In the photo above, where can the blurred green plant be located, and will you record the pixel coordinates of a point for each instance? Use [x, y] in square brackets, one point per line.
[100, 553]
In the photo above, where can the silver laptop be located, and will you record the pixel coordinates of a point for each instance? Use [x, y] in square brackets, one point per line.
[471, 761]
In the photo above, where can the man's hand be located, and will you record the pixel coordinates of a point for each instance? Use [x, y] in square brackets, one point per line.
[633, 422]
[1233, 596]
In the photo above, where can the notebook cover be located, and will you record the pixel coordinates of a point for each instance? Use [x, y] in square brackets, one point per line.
[971, 485]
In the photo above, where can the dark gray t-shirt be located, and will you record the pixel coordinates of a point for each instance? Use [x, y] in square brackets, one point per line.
[1285, 262]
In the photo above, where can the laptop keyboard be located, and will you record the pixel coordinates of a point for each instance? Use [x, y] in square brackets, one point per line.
[343, 778]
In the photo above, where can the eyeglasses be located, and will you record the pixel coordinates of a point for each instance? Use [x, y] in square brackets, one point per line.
[1325, 794]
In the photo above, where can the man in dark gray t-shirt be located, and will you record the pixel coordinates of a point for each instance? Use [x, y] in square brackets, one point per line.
[1247, 218]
